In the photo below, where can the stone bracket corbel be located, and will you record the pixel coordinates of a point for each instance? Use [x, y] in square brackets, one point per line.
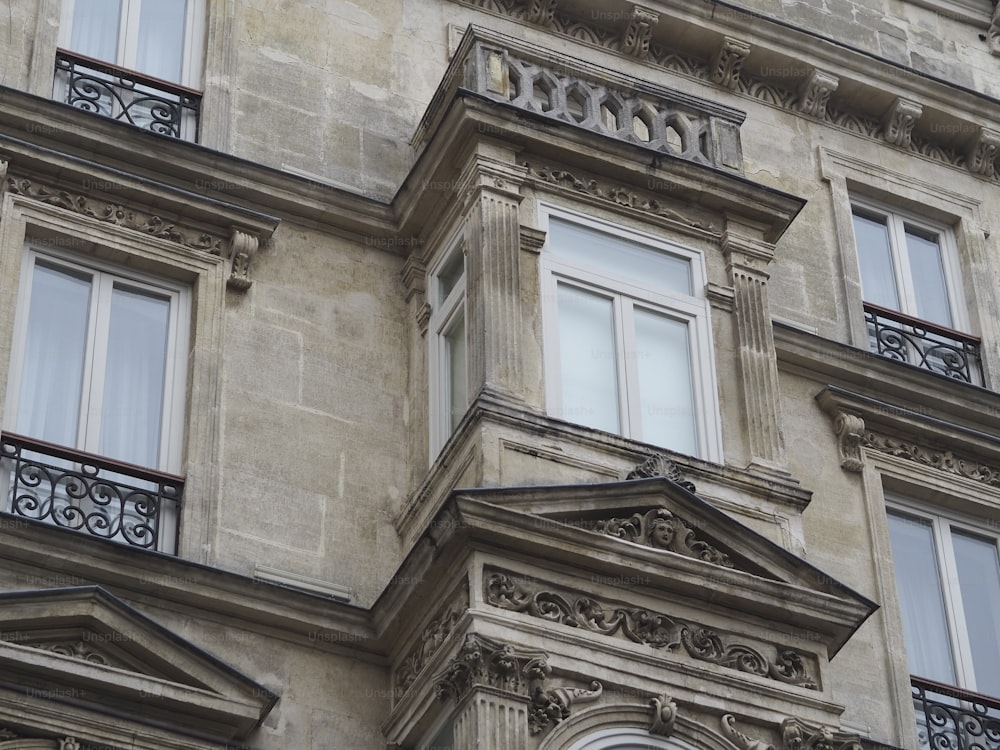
[814, 93]
[664, 716]
[850, 430]
[243, 247]
[542, 12]
[639, 32]
[898, 121]
[728, 61]
[983, 151]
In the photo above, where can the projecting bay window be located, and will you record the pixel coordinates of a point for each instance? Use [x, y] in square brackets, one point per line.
[911, 286]
[448, 356]
[95, 401]
[628, 347]
[948, 580]
[138, 61]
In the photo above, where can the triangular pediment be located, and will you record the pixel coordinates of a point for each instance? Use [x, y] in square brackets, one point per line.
[658, 530]
[86, 644]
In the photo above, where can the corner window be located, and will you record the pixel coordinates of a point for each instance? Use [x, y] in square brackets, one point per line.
[95, 400]
[948, 580]
[627, 340]
[448, 357]
[911, 286]
[138, 61]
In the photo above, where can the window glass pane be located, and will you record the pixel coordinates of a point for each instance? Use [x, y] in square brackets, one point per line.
[920, 597]
[161, 38]
[458, 373]
[620, 258]
[95, 28]
[588, 359]
[451, 274]
[929, 284]
[52, 378]
[979, 580]
[663, 361]
[878, 284]
[134, 377]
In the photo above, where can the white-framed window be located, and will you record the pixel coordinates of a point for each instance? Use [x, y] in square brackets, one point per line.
[628, 344]
[449, 374]
[947, 569]
[99, 361]
[159, 38]
[628, 739]
[911, 284]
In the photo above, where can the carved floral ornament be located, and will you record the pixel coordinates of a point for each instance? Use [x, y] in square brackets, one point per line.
[810, 98]
[434, 635]
[240, 248]
[12, 740]
[639, 625]
[796, 734]
[489, 663]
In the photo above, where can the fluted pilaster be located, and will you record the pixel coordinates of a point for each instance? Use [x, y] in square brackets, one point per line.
[493, 287]
[491, 721]
[746, 260]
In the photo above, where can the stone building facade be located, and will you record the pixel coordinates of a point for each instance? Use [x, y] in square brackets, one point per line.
[501, 374]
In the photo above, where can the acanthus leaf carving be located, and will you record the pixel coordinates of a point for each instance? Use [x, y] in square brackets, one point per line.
[814, 93]
[728, 62]
[618, 195]
[436, 633]
[484, 661]
[898, 122]
[739, 739]
[69, 743]
[75, 650]
[524, 595]
[541, 12]
[661, 529]
[797, 734]
[639, 32]
[242, 248]
[942, 460]
[117, 214]
[983, 151]
[664, 716]
[658, 465]
[850, 429]
[549, 707]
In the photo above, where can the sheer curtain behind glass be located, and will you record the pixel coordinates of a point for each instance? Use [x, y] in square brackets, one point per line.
[95, 29]
[160, 47]
[928, 645]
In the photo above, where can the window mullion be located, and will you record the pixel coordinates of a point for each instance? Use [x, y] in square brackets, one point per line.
[92, 407]
[954, 607]
[901, 265]
[628, 385]
[128, 45]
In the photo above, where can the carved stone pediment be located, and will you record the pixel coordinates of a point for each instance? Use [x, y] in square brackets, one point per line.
[85, 643]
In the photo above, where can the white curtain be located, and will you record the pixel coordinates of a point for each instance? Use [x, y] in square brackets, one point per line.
[95, 29]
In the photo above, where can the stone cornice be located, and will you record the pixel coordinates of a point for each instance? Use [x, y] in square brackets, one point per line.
[954, 109]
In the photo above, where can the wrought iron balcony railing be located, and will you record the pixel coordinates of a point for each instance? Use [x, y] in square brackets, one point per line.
[917, 342]
[122, 94]
[89, 494]
[949, 718]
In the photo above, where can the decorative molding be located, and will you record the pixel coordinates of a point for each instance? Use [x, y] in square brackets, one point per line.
[620, 196]
[532, 240]
[797, 734]
[76, 650]
[541, 12]
[549, 707]
[731, 733]
[728, 61]
[658, 465]
[720, 297]
[661, 529]
[414, 276]
[639, 32]
[436, 633]
[814, 93]
[242, 248]
[983, 151]
[117, 214]
[664, 716]
[639, 625]
[484, 661]
[898, 122]
[941, 460]
[850, 429]
[723, 68]
[423, 317]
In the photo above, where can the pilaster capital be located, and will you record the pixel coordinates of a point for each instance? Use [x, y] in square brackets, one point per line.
[747, 254]
[487, 173]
